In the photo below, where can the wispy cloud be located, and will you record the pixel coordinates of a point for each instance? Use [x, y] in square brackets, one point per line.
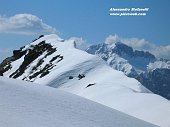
[141, 44]
[26, 24]
[80, 43]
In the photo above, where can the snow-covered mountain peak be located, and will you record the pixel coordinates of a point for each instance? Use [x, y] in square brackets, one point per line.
[123, 57]
[123, 49]
[51, 39]
[57, 63]
[49, 59]
[37, 58]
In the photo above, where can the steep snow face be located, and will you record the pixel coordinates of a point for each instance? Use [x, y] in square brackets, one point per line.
[25, 104]
[55, 62]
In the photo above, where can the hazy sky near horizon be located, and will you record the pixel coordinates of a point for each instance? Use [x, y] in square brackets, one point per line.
[87, 19]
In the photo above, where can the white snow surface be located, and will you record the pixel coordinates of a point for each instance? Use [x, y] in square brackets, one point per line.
[24, 104]
[101, 83]
[119, 63]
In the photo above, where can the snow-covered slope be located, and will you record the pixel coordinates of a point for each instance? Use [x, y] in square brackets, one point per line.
[24, 104]
[55, 62]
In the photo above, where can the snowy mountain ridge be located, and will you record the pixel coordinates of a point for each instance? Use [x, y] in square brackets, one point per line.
[52, 61]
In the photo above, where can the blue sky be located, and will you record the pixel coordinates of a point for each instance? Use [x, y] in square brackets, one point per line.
[88, 19]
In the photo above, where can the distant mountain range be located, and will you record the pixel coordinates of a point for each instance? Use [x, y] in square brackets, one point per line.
[152, 72]
[55, 62]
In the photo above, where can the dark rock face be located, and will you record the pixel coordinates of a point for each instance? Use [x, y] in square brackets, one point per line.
[122, 48]
[6, 64]
[158, 81]
[80, 76]
[18, 54]
[143, 54]
[32, 54]
[43, 71]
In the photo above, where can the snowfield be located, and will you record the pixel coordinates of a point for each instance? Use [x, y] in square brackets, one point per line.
[89, 76]
[24, 104]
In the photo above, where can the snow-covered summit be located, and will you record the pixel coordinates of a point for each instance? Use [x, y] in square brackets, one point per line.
[57, 63]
